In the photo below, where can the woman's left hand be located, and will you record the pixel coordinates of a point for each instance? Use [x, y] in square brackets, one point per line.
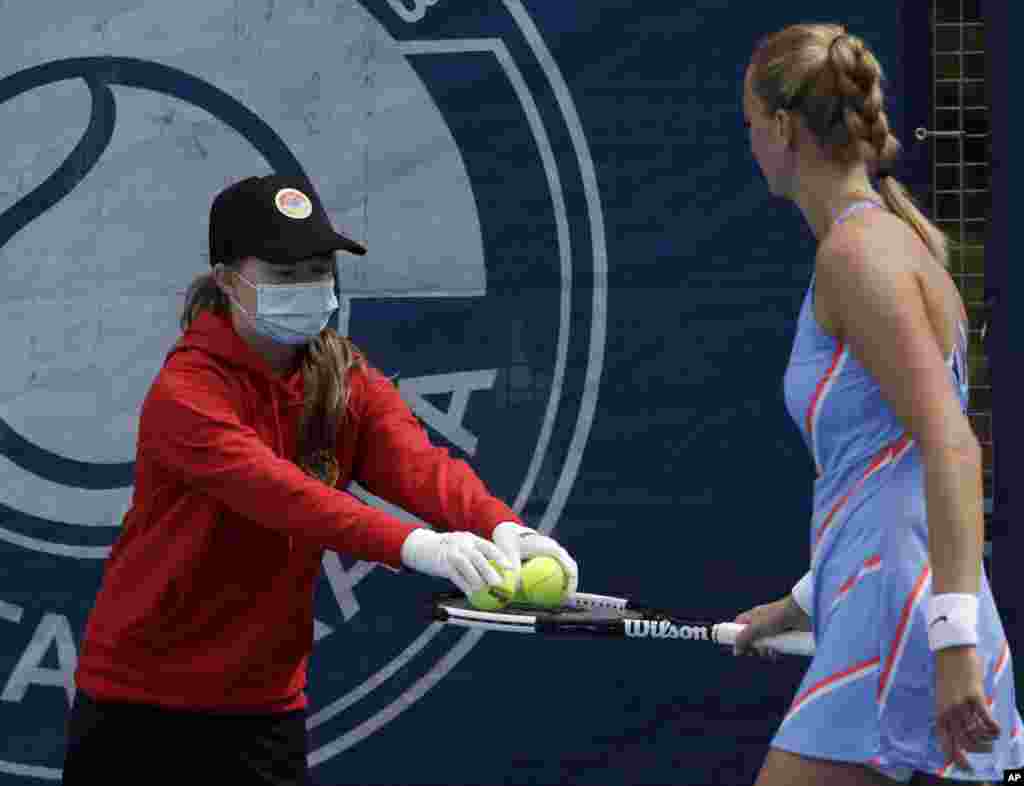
[520, 543]
[963, 720]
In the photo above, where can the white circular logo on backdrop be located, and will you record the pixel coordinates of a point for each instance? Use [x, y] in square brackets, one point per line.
[486, 275]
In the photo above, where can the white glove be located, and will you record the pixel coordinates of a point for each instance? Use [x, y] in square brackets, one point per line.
[460, 557]
[520, 543]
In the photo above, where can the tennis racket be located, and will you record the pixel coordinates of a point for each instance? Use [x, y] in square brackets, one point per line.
[600, 616]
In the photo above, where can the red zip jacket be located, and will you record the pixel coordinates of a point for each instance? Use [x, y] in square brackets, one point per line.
[207, 596]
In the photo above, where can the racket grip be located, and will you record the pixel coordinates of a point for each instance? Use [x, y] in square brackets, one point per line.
[792, 643]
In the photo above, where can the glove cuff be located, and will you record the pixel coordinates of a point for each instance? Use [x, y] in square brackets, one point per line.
[514, 528]
[420, 552]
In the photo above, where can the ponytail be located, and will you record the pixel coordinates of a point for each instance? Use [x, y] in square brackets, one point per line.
[834, 81]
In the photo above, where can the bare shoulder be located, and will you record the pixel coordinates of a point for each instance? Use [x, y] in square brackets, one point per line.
[868, 249]
[879, 249]
[877, 237]
[871, 276]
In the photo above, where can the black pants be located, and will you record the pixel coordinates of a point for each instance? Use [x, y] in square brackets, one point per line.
[115, 743]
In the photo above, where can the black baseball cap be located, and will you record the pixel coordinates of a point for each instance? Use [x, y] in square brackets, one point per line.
[277, 218]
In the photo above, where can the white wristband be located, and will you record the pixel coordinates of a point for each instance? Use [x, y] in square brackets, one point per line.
[952, 620]
[801, 593]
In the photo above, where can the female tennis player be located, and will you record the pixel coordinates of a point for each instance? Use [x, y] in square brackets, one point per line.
[912, 678]
[193, 664]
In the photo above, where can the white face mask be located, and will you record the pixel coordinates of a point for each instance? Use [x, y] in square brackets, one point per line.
[291, 314]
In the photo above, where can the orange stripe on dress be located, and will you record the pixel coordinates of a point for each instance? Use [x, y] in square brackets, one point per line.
[1004, 657]
[870, 566]
[997, 672]
[853, 671]
[889, 453]
[816, 400]
[902, 629]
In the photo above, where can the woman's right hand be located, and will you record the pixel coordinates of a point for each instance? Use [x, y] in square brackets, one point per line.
[461, 557]
[769, 619]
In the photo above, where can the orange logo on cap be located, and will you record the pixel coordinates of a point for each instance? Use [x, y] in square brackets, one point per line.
[293, 203]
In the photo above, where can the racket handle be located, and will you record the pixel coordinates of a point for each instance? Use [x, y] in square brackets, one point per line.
[792, 643]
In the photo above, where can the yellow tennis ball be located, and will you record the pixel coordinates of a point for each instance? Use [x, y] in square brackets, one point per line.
[494, 598]
[543, 582]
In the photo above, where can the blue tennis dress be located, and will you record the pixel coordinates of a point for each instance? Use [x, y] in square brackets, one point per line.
[868, 695]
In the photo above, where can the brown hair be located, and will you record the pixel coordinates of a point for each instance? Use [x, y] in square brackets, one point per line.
[834, 82]
[326, 362]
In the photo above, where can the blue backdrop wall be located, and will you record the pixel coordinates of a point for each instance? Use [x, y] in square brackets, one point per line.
[575, 272]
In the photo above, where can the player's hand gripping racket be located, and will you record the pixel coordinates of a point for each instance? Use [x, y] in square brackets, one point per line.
[600, 616]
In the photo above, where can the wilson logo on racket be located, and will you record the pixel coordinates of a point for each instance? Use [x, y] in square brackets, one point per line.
[663, 629]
